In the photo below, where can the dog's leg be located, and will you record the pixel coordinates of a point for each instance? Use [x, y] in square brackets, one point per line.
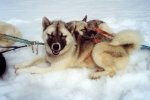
[38, 70]
[111, 71]
[35, 61]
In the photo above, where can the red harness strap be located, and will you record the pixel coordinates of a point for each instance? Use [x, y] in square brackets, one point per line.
[104, 33]
[97, 41]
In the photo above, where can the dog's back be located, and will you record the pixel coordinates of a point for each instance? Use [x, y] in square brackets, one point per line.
[8, 29]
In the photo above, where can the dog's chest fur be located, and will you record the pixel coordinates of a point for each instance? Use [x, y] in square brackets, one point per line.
[66, 60]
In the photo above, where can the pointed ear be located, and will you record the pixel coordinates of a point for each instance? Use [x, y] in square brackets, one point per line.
[85, 19]
[45, 23]
[70, 27]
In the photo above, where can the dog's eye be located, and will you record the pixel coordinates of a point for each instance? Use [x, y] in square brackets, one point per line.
[91, 33]
[64, 37]
[61, 35]
[50, 35]
[83, 30]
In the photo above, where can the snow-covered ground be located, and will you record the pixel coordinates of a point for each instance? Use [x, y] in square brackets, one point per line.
[133, 83]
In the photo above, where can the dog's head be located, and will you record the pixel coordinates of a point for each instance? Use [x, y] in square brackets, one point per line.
[84, 28]
[77, 28]
[92, 25]
[56, 37]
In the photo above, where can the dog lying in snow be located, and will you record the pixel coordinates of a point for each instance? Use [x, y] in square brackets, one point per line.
[8, 29]
[106, 56]
[66, 46]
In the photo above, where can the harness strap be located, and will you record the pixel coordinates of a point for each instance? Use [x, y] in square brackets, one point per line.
[108, 35]
[103, 35]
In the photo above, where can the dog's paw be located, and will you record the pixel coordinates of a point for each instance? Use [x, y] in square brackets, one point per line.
[95, 75]
[18, 71]
[16, 66]
[21, 65]
[22, 70]
[111, 74]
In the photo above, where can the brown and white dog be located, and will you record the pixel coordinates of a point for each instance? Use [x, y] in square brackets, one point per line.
[8, 29]
[67, 46]
[62, 49]
[108, 56]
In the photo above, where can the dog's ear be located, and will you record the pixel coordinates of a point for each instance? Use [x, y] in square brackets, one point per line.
[85, 19]
[70, 27]
[45, 23]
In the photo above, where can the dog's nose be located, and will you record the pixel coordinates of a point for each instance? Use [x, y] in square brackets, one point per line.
[56, 46]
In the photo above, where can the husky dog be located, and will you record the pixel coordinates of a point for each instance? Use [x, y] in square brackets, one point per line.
[8, 29]
[67, 47]
[106, 57]
[62, 50]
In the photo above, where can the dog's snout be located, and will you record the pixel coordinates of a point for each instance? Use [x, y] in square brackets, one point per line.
[56, 46]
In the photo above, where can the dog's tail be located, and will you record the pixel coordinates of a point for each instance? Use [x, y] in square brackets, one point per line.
[129, 39]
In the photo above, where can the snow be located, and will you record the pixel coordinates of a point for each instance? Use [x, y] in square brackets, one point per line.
[132, 83]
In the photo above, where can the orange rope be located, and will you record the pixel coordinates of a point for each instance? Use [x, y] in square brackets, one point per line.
[104, 33]
[98, 30]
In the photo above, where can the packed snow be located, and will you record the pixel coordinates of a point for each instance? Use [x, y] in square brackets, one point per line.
[132, 83]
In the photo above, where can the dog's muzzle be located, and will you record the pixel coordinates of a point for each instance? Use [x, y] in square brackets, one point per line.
[56, 47]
